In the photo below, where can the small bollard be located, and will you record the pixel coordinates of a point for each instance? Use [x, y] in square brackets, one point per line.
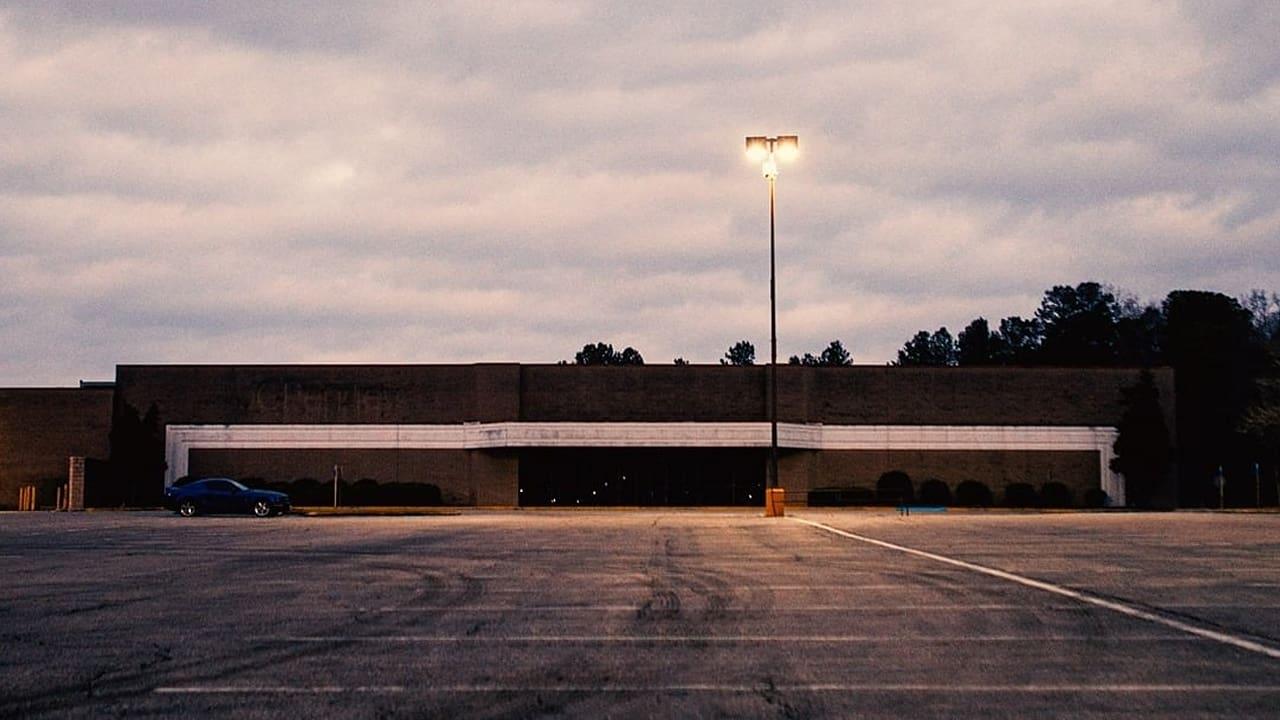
[27, 497]
[775, 501]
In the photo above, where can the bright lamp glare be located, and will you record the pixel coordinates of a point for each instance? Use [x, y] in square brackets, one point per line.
[770, 168]
[788, 147]
[757, 148]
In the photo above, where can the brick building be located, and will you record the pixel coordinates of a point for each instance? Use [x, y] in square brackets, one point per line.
[508, 434]
[40, 428]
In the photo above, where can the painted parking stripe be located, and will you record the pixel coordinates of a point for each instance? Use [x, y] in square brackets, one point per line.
[517, 609]
[624, 586]
[1114, 605]
[275, 689]
[718, 688]
[729, 588]
[719, 639]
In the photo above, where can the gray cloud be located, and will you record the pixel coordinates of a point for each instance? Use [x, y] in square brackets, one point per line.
[467, 181]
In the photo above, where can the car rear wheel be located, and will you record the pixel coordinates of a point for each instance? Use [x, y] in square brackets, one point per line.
[187, 508]
[262, 508]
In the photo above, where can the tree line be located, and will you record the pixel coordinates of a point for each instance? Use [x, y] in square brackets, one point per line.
[1091, 325]
[1225, 353]
[742, 352]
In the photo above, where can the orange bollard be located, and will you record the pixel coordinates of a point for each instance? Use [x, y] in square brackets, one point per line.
[775, 502]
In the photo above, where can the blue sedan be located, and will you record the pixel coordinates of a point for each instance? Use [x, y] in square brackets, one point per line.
[224, 495]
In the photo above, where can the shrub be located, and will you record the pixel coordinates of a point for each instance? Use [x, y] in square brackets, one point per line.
[935, 492]
[839, 496]
[362, 492]
[1055, 495]
[1021, 495]
[972, 493]
[309, 491]
[894, 486]
[1095, 497]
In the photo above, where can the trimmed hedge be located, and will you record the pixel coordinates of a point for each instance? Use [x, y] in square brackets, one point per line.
[309, 491]
[972, 493]
[894, 487]
[1020, 495]
[841, 496]
[1056, 495]
[935, 492]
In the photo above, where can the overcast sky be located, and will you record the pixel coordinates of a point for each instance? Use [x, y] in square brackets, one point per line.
[506, 181]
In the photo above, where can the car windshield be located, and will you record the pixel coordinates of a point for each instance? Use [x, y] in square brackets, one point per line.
[223, 483]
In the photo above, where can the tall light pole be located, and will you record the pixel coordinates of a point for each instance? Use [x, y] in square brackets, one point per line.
[767, 151]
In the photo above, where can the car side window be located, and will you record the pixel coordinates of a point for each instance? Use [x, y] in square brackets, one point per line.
[221, 486]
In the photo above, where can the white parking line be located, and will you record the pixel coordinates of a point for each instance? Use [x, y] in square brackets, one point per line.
[1224, 606]
[730, 588]
[275, 689]
[1114, 605]
[719, 639]
[463, 609]
[717, 688]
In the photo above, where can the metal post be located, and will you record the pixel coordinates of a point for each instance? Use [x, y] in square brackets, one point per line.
[773, 350]
[1257, 483]
[1221, 480]
[337, 472]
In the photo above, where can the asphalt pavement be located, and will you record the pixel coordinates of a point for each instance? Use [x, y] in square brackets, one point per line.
[638, 613]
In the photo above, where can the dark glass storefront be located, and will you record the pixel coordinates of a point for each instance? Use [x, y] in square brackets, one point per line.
[578, 477]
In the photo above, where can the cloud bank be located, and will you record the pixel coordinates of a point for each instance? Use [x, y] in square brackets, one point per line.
[227, 182]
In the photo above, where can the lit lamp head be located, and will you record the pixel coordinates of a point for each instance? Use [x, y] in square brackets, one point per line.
[768, 150]
[787, 147]
[770, 168]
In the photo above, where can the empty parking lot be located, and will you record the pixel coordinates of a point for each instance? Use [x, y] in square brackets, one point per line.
[642, 613]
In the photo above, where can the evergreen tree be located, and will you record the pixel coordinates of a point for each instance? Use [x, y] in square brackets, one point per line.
[1079, 325]
[974, 345]
[740, 353]
[834, 355]
[137, 458]
[1143, 453]
[929, 349]
[604, 354]
[1213, 347]
[1018, 341]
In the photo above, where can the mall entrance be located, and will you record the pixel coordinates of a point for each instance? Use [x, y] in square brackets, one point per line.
[584, 477]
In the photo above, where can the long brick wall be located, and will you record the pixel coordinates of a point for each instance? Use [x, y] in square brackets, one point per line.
[427, 394]
[452, 394]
